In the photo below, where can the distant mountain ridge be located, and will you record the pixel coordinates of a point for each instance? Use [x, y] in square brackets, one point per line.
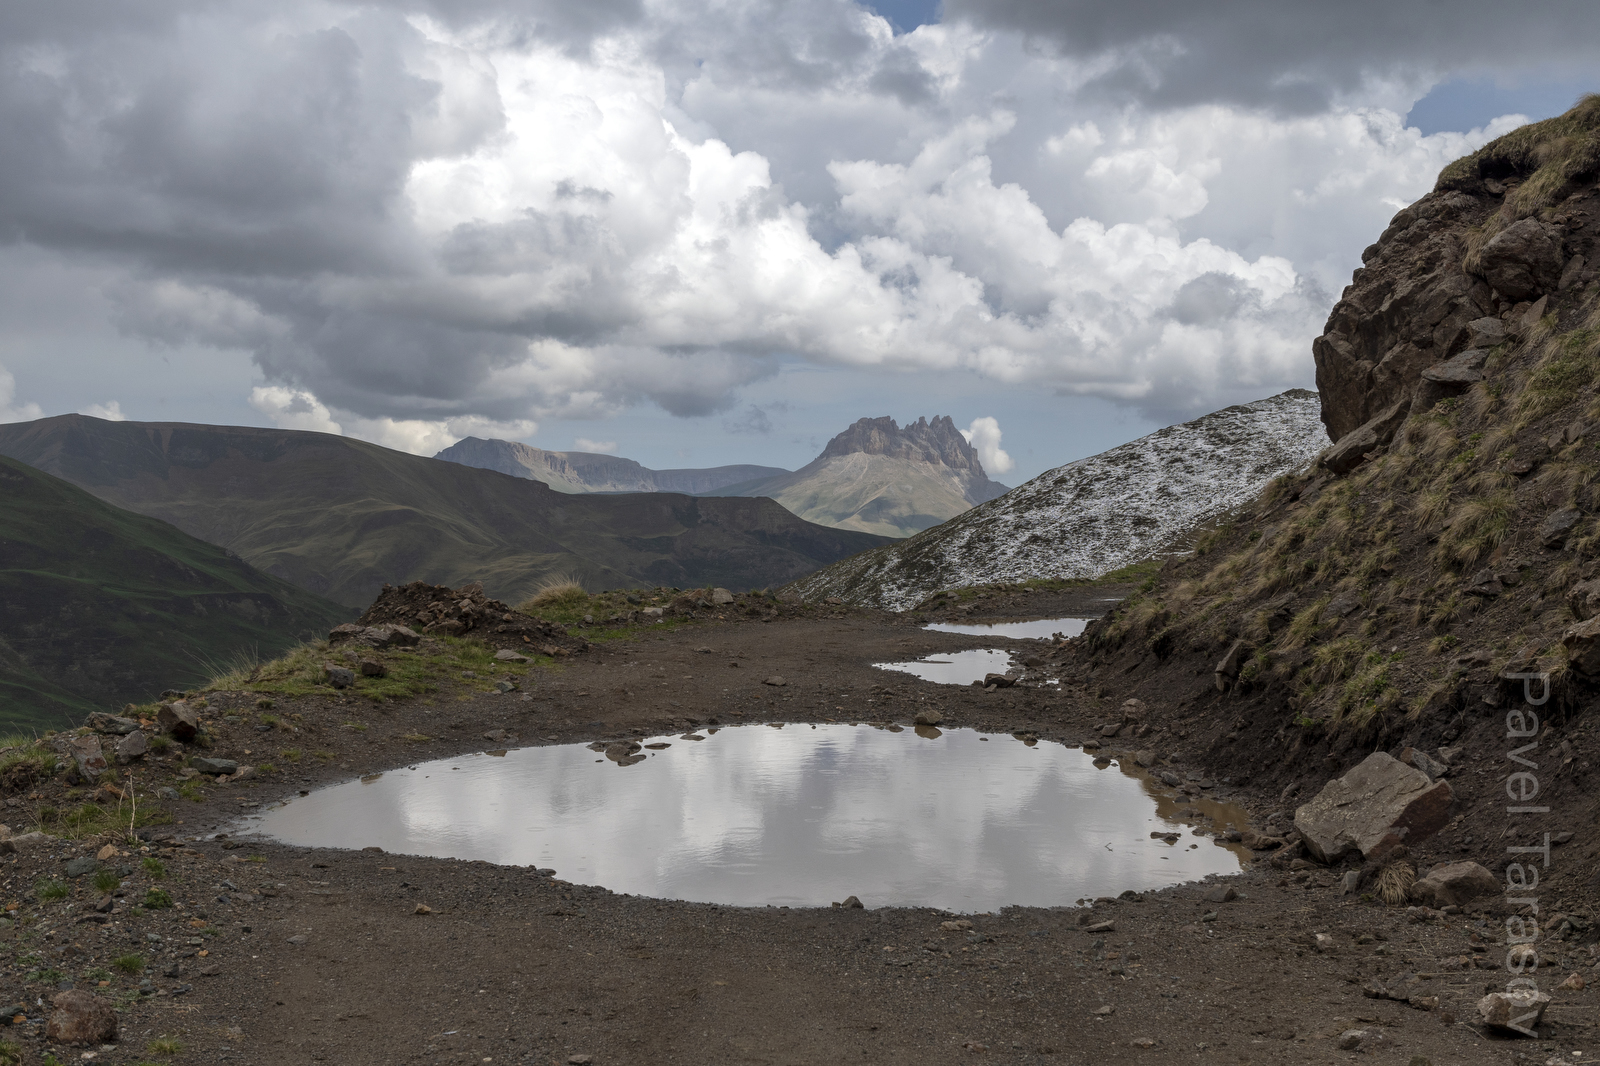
[102, 606]
[880, 478]
[342, 517]
[1095, 515]
[575, 472]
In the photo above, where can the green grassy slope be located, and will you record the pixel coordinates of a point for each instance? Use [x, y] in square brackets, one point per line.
[99, 606]
[342, 517]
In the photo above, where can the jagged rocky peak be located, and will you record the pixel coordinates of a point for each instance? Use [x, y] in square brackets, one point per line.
[1504, 236]
[938, 442]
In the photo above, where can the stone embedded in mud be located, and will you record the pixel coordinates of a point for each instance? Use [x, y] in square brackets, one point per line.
[1379, 803]
[506, 655]
[390, 636]
[215, 766]
[81, 1018]
[1582, 642]
[1517, 1012]
[1453, 884]
[102, 722]
[178, 720]
[1421, 760]
[928, 717]
[775, 681]
[1523, 261]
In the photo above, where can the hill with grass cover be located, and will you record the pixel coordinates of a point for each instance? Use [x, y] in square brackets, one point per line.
[342, 518]
[1093, 516]
[1449, 539]
[103, 607]
[880, 478]
[594, 472]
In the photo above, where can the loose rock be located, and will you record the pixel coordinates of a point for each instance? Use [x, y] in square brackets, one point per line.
[81, 1018]
[1517, 1012]
[1380, 802]
[1453, 884]
[178, 720]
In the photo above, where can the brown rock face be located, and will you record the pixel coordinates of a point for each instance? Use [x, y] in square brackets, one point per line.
[81, 1018]
[178, 720]
[1523, 261]
[1425, 294]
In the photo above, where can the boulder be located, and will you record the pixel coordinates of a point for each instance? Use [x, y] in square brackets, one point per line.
[998, 680]
[1453, 884]
[1522, 261]
[1378, 804]
[720, 597]
[928, 717]
[88, 755]
[214, 766]
[1582, 642]
[390, 636]
[131, 747]
[1584, 599]
[110, 724]
[1486, 332]
[178, 720]
[1569, 276]
[348, 631]
[1227, 667]
[1519, 1011]
[81, 1018]
[338, 676]
[1350, 450]
[1555, 530]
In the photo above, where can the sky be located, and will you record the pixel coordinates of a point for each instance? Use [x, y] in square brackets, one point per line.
[718, 232]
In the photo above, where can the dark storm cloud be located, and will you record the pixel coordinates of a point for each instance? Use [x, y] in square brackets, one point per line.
[1292, 58]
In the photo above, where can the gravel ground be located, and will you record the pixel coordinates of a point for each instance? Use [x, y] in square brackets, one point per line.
[273, 954]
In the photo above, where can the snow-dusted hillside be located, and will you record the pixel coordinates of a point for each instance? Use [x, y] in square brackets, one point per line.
[1096, 515]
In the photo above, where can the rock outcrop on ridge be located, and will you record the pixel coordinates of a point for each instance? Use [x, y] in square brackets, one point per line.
[879, 477]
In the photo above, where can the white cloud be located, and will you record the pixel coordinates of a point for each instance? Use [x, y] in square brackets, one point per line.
[10, 409]
[110, 411]
[417, 226]
[604, 447]
[984, 436]
[297, 409]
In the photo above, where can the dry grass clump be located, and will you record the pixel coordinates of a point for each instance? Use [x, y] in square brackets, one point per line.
[559, 590]
[1477, 527]
[1394, 882]
[1567, 366]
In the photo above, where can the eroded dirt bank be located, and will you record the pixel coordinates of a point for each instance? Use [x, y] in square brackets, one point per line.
[318, 955]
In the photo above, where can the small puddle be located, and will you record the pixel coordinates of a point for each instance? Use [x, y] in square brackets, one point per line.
[1039, 629]
[955, 667]
[788, 816]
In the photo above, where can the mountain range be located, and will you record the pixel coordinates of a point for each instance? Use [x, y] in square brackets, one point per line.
[341, 517]
[875, 477]
[593, 472]
[1095, 515]
[102, 606]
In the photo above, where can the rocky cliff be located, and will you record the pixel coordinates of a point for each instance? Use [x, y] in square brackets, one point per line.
[877, 477]
[1093, 516]
[1449, 539]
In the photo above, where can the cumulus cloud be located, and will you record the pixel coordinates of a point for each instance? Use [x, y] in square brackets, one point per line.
[111, 411]
[984, 436]
[423, 217]
[11, 410]
[604, 447]
[290, 408]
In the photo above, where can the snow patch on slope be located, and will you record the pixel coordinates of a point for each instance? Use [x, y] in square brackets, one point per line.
[1095, 515]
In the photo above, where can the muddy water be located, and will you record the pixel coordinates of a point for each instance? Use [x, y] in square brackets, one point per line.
[1039, 629]
[956, 667]
[796, 815]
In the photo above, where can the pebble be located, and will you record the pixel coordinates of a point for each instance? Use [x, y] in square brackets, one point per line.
[1102, 927]
[1105, 1012]
[423, 908]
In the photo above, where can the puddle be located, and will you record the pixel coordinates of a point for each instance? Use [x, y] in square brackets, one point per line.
[955, 667]
[788, 816]
[1040, 629]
